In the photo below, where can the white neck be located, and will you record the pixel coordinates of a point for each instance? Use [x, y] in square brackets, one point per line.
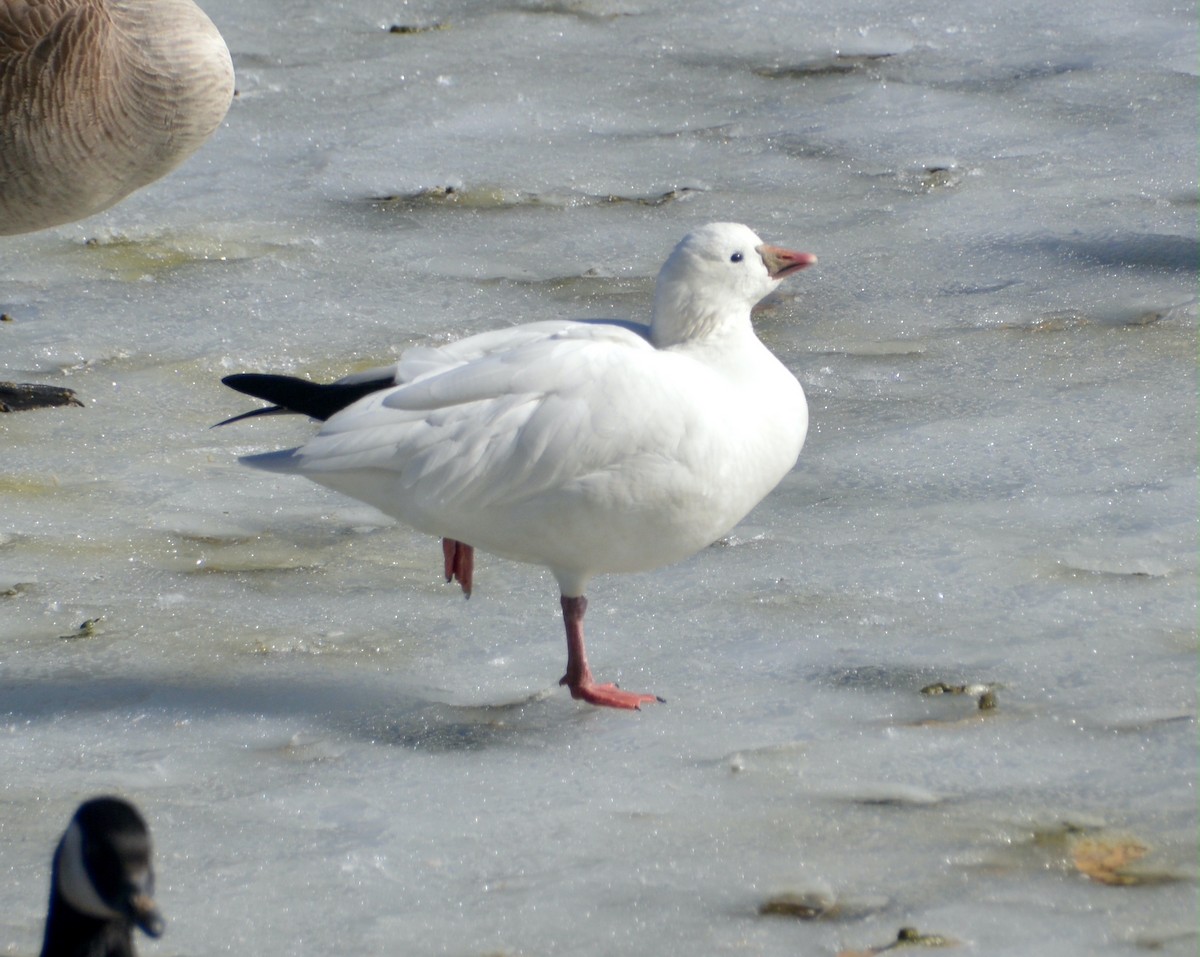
[682, 316]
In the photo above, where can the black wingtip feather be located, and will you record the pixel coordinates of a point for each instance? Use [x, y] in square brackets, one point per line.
[269, 410]
[290, 394]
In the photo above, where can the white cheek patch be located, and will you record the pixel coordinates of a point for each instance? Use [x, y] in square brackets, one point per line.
[73, 879]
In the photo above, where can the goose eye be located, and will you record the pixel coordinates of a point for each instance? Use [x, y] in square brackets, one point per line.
[735, 258]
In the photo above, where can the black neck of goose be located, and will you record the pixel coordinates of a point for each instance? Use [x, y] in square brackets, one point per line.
[70, 933]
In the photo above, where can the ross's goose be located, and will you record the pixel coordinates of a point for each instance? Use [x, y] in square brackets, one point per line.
[586, 447]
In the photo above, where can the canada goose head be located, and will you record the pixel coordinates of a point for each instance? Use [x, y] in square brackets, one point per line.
[102, 883]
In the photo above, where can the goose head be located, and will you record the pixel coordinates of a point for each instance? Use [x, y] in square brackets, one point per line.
[713, 278]
[102, 884]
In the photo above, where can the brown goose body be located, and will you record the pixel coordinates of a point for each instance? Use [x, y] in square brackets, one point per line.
[99, 98]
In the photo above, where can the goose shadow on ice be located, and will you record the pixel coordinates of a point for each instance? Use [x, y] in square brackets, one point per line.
[374, 712]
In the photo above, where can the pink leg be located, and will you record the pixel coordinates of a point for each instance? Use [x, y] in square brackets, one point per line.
[579, 676]
[459, 561]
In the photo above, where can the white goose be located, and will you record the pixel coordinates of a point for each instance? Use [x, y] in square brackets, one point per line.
[99, 98]
[586, 447]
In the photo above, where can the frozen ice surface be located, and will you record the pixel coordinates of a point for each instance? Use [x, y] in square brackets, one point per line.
[339, 755]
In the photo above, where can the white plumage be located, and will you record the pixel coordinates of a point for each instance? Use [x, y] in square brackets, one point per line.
[586, 447]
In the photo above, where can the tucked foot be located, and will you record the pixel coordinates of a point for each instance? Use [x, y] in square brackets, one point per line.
[459, 562]
[610, 696]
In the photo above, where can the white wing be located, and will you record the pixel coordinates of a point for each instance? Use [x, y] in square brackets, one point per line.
[515, 413]
[421, 361]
